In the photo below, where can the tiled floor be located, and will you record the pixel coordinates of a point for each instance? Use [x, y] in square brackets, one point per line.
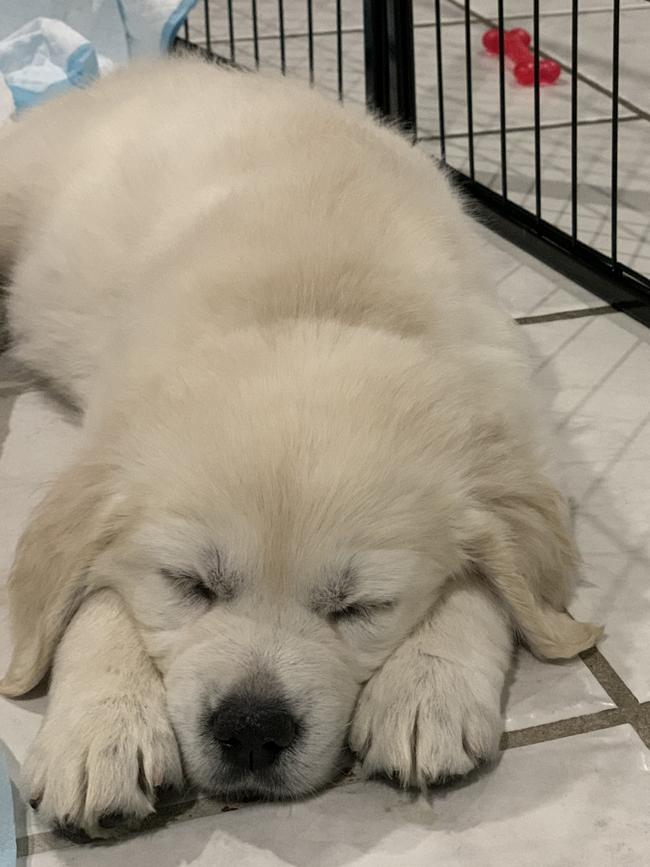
[573, 785]
[594, 105]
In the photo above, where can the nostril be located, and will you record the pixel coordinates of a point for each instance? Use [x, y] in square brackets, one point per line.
[280, 732]
[273, 749]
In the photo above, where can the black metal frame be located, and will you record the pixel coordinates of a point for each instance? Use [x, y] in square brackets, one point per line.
[390, 61]
[603, 275]
[391, 91]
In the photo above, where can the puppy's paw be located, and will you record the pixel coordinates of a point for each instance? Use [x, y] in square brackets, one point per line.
[96, 764]
[423, 720]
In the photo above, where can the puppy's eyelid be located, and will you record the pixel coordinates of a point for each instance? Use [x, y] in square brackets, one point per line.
[190, 582]
[361, 610]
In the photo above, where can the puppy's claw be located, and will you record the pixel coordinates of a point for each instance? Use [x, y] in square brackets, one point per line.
[71, 831]
[93, 775]
[426, 727]
[111, 820]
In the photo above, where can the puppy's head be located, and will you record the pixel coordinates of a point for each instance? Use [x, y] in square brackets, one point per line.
[290, 534]
[278, 513]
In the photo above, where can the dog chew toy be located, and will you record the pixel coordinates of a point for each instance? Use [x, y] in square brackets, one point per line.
[515, 46]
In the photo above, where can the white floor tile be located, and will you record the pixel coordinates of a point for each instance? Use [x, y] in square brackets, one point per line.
[594, 181]
[527, 292]
[525, 286]
[580, 801]
[595, 49]
[542, 692]
[597, 380]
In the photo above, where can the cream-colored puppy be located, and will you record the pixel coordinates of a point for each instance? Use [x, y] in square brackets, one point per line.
[311, 507]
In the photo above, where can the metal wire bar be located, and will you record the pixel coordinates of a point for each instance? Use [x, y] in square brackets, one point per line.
[256, 40]
[468, 77]
[502, 102]
[441, 89]
[283, 48]
[615, 74]
[310, 38]
[206, 24]
[231, 31]
[537, 112]
[574, 121]
[339, 49]
[390, 61]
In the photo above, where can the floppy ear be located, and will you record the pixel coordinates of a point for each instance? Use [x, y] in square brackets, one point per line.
[522, 543]
[49, 578]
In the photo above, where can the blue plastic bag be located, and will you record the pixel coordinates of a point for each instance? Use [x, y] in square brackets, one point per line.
[49, 46]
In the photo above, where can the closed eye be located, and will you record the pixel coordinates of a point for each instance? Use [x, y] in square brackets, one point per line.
[360, 610]
[190, 584]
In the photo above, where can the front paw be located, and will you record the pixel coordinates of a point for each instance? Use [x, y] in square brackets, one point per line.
[423, 720]
[94, 768]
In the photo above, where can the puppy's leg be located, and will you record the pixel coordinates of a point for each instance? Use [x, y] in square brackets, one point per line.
[106, 743]
[433, 711]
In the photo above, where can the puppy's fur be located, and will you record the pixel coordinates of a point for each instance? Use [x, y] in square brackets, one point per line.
[311, 469]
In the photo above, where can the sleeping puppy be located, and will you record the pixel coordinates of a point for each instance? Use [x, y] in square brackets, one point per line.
[311, 509]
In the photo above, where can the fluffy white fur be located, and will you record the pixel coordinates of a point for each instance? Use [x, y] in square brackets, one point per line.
[299, 390]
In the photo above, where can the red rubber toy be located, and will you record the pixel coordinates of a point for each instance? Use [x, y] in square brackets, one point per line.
[515, 43]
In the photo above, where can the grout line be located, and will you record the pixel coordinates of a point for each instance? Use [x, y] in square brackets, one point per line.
[564, 728]
[565, 314]
[580, 313]
[557, 124]
[641, 722]
[609, 679]
[635, 713]
[353, 30]
[166, 815]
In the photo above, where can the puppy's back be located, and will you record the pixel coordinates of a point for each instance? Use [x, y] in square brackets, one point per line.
[219, 199]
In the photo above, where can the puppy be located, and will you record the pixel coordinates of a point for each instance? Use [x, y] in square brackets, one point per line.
[311, 509]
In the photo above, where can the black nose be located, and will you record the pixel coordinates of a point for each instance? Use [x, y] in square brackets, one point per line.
[253, 733]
